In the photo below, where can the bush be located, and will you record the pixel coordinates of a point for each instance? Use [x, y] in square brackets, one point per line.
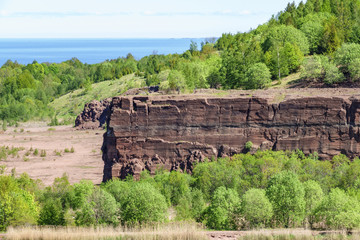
[248, 146]
[224, 209]
[256, 208]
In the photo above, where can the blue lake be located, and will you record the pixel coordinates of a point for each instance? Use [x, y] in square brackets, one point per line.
[89, 51]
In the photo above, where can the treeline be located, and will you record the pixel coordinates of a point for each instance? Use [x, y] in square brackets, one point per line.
[26, 90]
[266, 189]
[278, 47]
[320, 37]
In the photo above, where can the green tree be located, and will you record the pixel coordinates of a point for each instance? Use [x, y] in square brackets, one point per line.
[312, 69]
[224, 210]
[286, 194]
[17, 206]
[347, 54]
[313, 197]
[354, 70]
[256, 208]
[257, 76]
[143, 204]
[338, 211]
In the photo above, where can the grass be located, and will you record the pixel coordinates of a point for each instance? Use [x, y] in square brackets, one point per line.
[70, 105]
[174, 231]
[295, 234]
[286, 81]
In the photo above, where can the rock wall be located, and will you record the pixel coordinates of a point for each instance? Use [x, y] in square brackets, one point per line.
[174, 132]
[94, 114]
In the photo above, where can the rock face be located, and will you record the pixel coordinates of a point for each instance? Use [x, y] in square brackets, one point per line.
[94, 115]
[174, 132]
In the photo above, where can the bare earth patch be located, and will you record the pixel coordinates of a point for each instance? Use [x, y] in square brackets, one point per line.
[76, 153]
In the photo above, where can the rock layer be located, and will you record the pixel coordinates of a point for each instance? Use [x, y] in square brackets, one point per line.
[174, 132]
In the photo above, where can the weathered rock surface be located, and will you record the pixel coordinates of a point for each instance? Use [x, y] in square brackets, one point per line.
[174, 132]
[94, 115]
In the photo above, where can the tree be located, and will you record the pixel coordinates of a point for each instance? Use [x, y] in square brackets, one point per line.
[312, 69]
[175, 81]
[143, 204]
[17, 206]
[338, 211]
[256, 208]
[223, 210]
[346, 54]
[313, 197]
[286, 194]
[257, 76]
[354, 70]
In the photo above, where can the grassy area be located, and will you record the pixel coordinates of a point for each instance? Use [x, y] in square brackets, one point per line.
[286, 82]
[175, 231]
[67, 107]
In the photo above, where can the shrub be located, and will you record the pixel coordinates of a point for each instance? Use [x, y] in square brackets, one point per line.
[248, 146]
[42, 153]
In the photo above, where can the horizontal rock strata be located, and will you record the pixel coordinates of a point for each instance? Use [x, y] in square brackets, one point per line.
[174, 132]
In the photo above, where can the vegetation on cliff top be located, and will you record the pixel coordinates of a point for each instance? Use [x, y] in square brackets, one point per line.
[318, 38]
[246, 191]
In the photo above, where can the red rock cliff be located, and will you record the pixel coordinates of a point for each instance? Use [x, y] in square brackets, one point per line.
[175, 131]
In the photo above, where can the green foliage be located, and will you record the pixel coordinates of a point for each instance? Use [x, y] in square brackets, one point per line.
[224, 209]
[257, 76]
[248, 145]
[100, 208]
[209, 176]
[51, 212]
[256, 208]
[191, 206]
[312, 69]
[17, 206]
[265, 189]
[354, 69]
[313, 197]
[347, 54]
[338, 211]
[286, 194]
[143, 204]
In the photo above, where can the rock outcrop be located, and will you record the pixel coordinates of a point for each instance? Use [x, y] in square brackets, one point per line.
[174, 132]
[94, 115]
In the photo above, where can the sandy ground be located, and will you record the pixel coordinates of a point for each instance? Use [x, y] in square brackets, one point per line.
[84, 163]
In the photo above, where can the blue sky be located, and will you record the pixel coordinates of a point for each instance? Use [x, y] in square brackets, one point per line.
[132, 18]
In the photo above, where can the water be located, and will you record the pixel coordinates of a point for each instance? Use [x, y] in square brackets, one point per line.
[89, 51]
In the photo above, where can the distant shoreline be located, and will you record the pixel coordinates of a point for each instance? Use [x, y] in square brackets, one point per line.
[88, 50]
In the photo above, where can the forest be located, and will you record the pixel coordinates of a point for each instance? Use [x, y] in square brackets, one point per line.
[247, 191]
[319, 38]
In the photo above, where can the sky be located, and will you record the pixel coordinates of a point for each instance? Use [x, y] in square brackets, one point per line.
[132, 18]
